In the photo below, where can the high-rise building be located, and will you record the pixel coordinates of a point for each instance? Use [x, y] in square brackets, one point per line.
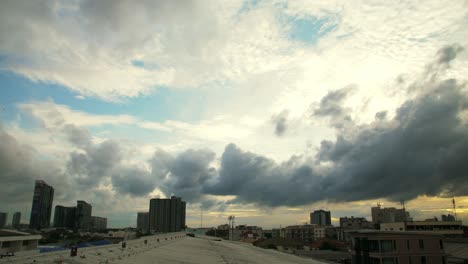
[320, 217]
[3, 219]
[16, 221]
[83, 215]
[41, 205]
[64, 217]
[143, 221]
[389, 215]
[98, 223]
[448, 218]
[167, 215]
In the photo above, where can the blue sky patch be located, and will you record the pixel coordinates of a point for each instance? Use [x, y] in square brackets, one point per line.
[309, 29]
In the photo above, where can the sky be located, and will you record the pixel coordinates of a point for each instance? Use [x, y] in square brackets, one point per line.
[265, 110]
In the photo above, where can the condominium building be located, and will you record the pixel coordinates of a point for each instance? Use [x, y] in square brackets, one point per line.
[446, 228]
[320, 217]
[167, 215]
[381, 247]
[3, 219]
[16, 221]
[98, 223]
[41, 205]
[83, 215]
[389, 215]
[143, 221]
[64, 217]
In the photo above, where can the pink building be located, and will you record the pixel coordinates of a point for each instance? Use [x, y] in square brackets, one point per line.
[395, 247]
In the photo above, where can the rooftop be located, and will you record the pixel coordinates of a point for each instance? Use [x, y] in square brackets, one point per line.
[10, 233]
[171, 248]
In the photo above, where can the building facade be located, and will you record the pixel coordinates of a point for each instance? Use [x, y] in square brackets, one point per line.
[83, 215]
[167, 215]
[16, 221]
[98, 223]
[42, 205]
[389, 215]
[445, 228]
[380, 247]
[448, 217]
[320, 217]
[355, 223]
[14, 241]
[143, 221]
[3, 219]
[64, 217]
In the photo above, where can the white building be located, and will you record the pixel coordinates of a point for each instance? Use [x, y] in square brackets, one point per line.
[14, 241]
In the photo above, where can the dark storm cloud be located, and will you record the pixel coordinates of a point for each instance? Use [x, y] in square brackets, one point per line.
[19, 168]
[332, 103]
[421, 151]
[332, 107]
[257, 179]
[185, 174]
[88, 168]
[133, 181]
[280, 122]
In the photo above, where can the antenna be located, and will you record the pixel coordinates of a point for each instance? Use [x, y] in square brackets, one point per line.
[454, 208]
[378, 204]
[201, 216]
[402, 202]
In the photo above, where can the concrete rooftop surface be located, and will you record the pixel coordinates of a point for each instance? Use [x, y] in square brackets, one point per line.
[171, 248]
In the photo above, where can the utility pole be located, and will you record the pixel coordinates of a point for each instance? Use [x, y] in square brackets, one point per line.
[231, 223]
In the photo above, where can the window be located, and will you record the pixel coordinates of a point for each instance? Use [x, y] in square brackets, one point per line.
[387, 245]
[421, 244]
[374, 261]
[6, 244]
[423, 259]
[25, 242]
[408, 245]
[443, 259]
[409, 260]
[441, 244]
[388, 261]
[373, 246]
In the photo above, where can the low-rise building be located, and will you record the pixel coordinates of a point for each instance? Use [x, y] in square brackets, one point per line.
[446, 228]
[15, 241]
[244, 231]
[392, 247]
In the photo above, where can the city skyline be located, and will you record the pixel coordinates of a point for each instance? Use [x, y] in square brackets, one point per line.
[266, 110]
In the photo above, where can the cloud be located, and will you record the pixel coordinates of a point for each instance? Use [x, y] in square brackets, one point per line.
[134, 181]
[449, 53]
[418, 152]
[20, 168]
[185, 174]
[280, 122]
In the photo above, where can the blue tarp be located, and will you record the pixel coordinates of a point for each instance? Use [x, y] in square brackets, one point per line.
[82, 245]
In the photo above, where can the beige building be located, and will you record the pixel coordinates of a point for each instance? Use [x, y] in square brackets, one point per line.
[14, 241]
[382, 247]
[389, 215]
[446, 228]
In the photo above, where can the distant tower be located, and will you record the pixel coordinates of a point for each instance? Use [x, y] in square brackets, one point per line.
[15, 223]
[454, 209]
[41, 205]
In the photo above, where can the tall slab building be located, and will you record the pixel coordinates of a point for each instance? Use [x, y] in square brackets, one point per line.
[15, 223]
[143, 221]
[83, 215]
[41, 205]
[167, 215]
[320, 217]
